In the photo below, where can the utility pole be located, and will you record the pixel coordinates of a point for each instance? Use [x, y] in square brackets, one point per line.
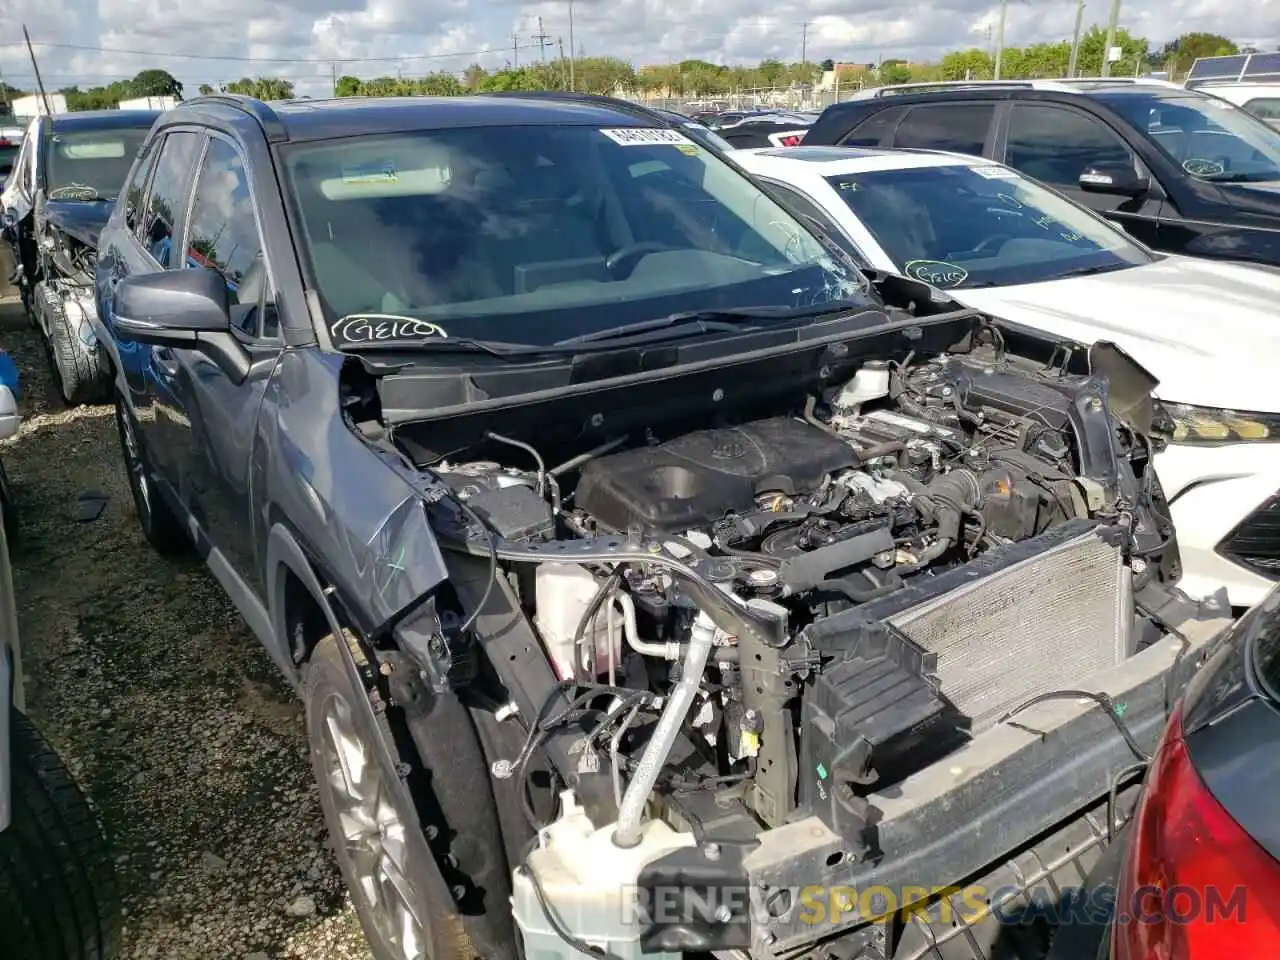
[333, 75]
[515, 51]
[804, 43]
[573, 86]
[1004, 9]
[36, 69]
[1075, 40]
[563, 79]
[1113, 22]
[543, 40]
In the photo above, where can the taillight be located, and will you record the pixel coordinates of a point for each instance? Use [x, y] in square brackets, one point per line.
[1195, 885]
[792, 138]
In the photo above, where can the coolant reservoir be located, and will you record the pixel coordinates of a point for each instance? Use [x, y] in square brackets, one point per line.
[590, 887]
[563, 592]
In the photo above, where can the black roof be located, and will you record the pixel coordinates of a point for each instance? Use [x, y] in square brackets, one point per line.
[352, 116]
[1099, 89]
[105, 120]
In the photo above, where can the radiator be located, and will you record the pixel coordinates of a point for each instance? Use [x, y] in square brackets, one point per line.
[1059, 612]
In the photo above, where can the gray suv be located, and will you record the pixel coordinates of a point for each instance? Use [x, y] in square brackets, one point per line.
[640, 560]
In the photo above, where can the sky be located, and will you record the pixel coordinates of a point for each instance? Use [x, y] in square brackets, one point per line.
[308, 41]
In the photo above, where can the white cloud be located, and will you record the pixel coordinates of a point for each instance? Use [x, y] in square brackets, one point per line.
[418, 36]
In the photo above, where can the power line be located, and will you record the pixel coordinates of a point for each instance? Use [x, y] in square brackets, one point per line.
[154, 54]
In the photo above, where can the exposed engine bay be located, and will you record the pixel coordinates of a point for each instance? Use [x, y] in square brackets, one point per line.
[772, 619]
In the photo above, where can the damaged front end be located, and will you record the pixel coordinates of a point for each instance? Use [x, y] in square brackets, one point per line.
[765, 625]
[63, 298]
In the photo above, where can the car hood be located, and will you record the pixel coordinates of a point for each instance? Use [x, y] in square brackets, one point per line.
[1261, 198]
[1206, 329]
[84, 221]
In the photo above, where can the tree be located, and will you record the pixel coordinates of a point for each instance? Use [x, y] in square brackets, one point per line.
[205, 90]
[474, 76]
[347, 87]
[828, 66]
[895, 71]
[972, 64]
[155, 83]
[262, 88]
[1178, 55]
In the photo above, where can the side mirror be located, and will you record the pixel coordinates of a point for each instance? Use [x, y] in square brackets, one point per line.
[185, 308]
[9, 418]
[171, 307]
[1119, 179]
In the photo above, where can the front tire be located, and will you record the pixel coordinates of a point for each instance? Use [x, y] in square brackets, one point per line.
[82, 376]
[404, 907]
[58, 894]
[160, 525]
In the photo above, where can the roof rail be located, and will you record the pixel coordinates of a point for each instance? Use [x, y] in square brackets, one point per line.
[270, 122]
[920, 85]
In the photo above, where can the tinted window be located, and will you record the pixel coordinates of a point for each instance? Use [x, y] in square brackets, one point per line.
[958, 127]
[798, 205]
[538, 233]
[875, 130]
[960, 225]
[169, 185]
[90, 164]
[223, 233]
[136, 190]
[1268, 108]
[1056, 144]
[1209, 138]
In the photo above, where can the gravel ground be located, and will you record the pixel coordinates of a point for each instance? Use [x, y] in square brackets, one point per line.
[165, 708]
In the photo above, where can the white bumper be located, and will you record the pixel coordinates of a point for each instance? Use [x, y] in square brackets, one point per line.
[1211, 490]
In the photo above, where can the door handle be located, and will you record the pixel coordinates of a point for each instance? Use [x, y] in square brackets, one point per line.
[165, 361]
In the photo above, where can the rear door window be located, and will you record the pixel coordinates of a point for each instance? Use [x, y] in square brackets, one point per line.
[875, 130]
[1055, 144]
[135, 191]
[956, 127]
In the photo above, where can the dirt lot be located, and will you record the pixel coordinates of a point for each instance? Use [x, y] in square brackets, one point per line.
[168, 713]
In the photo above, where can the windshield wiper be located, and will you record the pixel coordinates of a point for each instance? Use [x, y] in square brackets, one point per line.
[494, 348]
[1091, 271]
[1257, 177]
[706, 321]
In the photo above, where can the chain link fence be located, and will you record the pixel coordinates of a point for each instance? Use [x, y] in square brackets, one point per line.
[760, 98]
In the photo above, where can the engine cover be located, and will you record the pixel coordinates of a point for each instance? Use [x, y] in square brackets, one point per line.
[697, 478]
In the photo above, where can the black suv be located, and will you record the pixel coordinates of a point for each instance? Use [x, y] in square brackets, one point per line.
[576, 485]
[1179, 170]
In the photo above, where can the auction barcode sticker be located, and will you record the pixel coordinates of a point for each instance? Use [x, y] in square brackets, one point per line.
[645, 136]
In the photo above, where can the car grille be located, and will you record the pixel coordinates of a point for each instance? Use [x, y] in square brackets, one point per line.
[1255, 542]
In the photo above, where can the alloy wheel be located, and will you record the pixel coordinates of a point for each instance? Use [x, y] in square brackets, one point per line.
[372, 833]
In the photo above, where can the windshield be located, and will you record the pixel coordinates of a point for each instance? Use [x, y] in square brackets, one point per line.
[91, 164]
[541, 233]
[964, 226]
[1208, 137]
